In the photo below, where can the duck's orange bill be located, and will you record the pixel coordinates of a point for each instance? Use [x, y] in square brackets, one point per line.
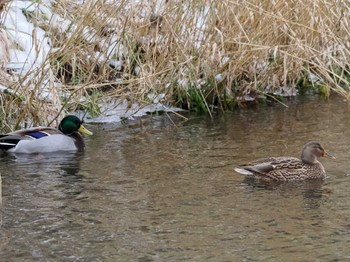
[328, 155]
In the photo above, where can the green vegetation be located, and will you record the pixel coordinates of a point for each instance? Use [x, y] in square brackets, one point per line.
[202, 55]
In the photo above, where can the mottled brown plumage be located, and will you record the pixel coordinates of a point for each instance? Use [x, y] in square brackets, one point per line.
[289, 168]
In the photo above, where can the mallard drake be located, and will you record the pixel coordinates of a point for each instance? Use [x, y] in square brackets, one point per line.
[289, 168]
[46, 139]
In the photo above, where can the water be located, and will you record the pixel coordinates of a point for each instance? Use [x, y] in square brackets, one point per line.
[169, 193]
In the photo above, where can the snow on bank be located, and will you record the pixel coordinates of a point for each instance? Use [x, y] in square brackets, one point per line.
[31, 44]
[117, 111]
[29, 53]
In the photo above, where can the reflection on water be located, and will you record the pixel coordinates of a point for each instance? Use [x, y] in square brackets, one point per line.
[67, 162]
[160, 192]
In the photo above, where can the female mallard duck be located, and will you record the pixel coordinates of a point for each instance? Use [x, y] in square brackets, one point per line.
[289, 168]
[46, 139]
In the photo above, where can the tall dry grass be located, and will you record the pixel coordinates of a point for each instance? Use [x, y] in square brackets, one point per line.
[200, 55]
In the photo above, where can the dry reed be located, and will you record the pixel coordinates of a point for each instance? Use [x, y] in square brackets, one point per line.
[200, 54]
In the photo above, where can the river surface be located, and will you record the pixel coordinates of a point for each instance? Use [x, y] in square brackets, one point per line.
[166, 191]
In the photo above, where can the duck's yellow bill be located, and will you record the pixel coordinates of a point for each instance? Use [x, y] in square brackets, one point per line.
[83, 130]
[328, 155]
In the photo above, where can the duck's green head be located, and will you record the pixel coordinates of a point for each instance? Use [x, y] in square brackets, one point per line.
[71, 124]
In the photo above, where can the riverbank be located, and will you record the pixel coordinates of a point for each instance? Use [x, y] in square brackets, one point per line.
[117, 60]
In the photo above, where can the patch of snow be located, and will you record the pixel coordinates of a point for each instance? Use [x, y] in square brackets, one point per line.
[224, 60]
[60, 23]
[219, 77]
[117, 65]
[3, 88]
[286, 91]
[116, 111]
[314, 78]
[156, 98]
[32, 46]
[137, 70]
[182, 82]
